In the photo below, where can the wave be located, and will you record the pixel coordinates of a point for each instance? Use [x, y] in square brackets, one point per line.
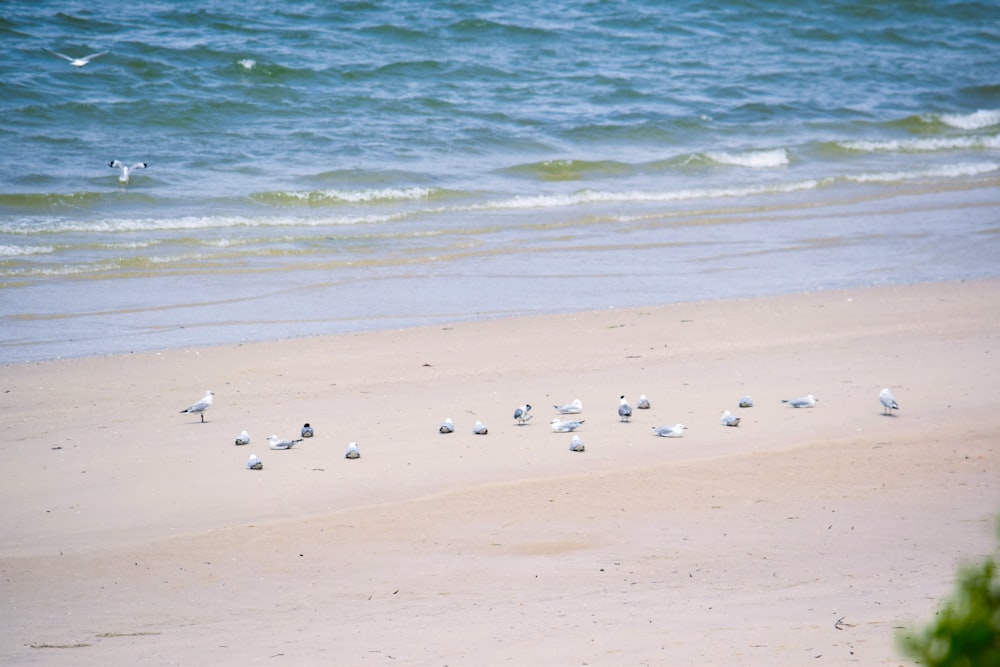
[759, 159]
[332, 197]
[972, 121]
[72, 200]
[20, 251]
[922, 145]
[948, 171]
[568, 170]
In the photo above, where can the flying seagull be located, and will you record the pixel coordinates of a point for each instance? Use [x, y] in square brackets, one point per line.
[888, 401]
[126, 171]
[202, 405]
[75, 62]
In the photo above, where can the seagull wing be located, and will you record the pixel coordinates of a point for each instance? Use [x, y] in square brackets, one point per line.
[138, 165]
[58, 55]
[87, 59]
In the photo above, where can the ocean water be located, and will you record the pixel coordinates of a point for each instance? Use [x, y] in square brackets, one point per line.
[328, 167]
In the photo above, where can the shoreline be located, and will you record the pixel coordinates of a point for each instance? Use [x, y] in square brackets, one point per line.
[138, 532]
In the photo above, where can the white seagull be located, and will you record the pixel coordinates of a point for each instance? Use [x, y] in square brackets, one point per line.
[243, 439]
[746, 402]
[480, 428]
[202, 405]
[274, 442]
[624, 410]
[254, 463]
[888, 401]
[642, 403]
[574, 408]
[75, 62]
[729, 419]
[126, 171]
[675, 431]
[576, 444]
[521, 413]
[447, 426]
[307, 431]
[802, 401]
[560, 426]
[352, 451]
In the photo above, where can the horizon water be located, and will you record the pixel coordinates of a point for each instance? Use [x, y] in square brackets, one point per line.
[321, 168]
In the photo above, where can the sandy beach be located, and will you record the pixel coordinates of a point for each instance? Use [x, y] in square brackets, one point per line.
[134, 534]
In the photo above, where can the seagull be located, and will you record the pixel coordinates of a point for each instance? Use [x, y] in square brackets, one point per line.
[560, 426]
[624, 410]
[888, 401]
[729, 419]
[574, 408]
[126, 171]
[254, 463]
[352, 451]
[307, 430]
[480, 429]
[273, 442]
[447, 426]
[202, 405]
[75, 62]
[801, 401]
[746, 402]
[576, 444]
[675, 431]
[243, 438]
[642, 403]
[521, 413]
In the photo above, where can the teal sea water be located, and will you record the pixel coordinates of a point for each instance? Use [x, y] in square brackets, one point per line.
[327, 167]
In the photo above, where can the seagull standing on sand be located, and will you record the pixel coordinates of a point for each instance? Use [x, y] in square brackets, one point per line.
[447, 426]
[307, 430]
[560, 426]
[352, 451]
[243, 439]
[675, 431]
[574, 408]
[888, 401]
[576, 444]
[729, 419]
[802, 401]
[521, 413]
[202, 405]
[126, 171]
[75, 62]
[480, 428]
[642, 403]
[254, 463]
[624, 410]
[746, 402]
[274, 442]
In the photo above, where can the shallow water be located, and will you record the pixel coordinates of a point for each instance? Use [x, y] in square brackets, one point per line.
[316, 170]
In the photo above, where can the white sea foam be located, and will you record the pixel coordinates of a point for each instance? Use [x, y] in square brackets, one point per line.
[972, 121]
[186, 223]
[948, 171]
[359, 196]
[925, 145]
[18, 251]
[248, 63]
[768, 159]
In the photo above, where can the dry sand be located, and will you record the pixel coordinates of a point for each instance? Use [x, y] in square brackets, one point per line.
[131, 534]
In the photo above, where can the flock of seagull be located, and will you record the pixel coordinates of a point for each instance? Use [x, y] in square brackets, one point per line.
[126, 170]
[522, 415]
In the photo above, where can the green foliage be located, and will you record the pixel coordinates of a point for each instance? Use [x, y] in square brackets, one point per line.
[966, 632]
